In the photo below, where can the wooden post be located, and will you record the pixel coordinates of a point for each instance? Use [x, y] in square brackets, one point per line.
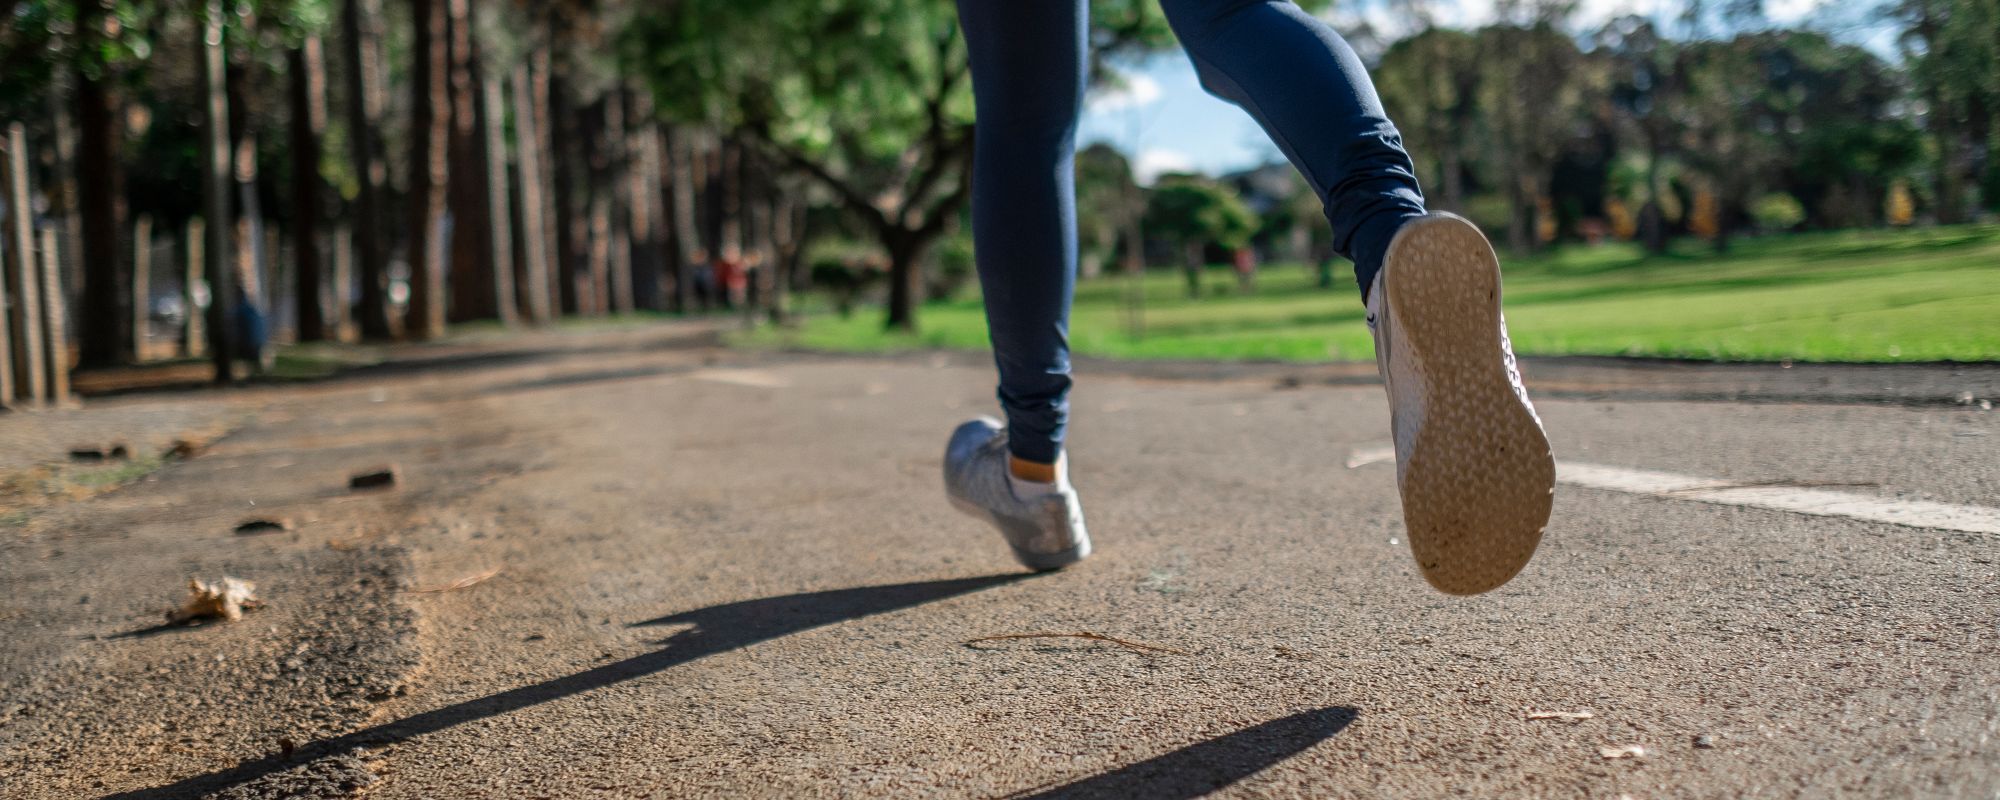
[142, 284]
[8, 246]
[194, 335]
[55, 318]
[341, 292]
[23, 283]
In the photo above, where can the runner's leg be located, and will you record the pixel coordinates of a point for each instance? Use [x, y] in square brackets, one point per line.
[1309, 91]
[1028, 74]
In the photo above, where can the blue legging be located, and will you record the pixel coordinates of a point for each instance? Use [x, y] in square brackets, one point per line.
[1294, 74]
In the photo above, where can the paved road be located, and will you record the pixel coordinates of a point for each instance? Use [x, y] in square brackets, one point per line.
[730, 575]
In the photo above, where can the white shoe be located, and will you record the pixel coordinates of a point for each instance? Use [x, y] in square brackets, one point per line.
[1045, 529]
[1472, 461]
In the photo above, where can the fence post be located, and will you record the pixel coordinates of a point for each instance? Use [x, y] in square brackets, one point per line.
[342, 311]
[142, 285]
[194, 338]
[56, 335]
[21, 270]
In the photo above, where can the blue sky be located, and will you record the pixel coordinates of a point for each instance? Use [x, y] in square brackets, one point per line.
[1163, 116]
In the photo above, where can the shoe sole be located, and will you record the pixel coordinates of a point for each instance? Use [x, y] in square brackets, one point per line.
[1039, 562]
[1480, 479]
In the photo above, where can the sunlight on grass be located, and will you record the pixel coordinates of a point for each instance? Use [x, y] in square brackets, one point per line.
[1926, 295]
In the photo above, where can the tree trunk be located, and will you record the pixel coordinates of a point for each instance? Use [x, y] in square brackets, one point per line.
[1950, 184]
[308, 95]
[571, 225]
[1454, 179]
[532, 278]
[250, 257]
[215, 173]
[430, 131]
[617, 139]
[102, 335]
[471, 272]
[63, 197]
[20, 332]
[647, 224]
[787, 238]
[687, 234]
[1191, 267]
[499, 205]
[906, 276]
[362, 47]
[1521, 213]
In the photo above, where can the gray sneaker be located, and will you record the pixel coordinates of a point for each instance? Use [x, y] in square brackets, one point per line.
[1471, 459]
[1046, 532]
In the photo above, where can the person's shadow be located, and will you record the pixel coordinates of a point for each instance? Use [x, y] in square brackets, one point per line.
[717, 629]
[1207, 766]
[1188, 772]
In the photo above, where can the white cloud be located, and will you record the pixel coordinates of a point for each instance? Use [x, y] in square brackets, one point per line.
[1154, 162]
[1136, 91]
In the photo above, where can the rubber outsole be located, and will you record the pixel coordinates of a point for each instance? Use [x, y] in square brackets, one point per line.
[1039, 562]
[1479, 483]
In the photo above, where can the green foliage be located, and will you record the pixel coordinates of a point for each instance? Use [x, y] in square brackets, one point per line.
[1192, 210]
[1778, 211]
[1107, 200]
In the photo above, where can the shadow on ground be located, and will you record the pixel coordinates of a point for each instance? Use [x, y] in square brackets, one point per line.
[716, 629]
[1205, 767]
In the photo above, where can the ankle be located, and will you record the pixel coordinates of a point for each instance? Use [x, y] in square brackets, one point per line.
[1031, 471]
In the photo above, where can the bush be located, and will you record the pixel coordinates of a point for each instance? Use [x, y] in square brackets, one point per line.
[1778, 211]
[845, 278]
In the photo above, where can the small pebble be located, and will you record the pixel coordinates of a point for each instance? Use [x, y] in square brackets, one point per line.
[1704, 742]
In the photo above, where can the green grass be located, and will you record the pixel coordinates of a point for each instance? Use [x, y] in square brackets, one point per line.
[1877, 296]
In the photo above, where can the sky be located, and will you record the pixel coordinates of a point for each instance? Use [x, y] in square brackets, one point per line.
[1163, 115]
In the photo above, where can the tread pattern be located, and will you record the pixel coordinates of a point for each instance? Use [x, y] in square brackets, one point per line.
[1478, 479]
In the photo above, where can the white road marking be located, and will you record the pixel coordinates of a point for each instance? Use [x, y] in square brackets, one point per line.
[1798, 500]
[742, 377]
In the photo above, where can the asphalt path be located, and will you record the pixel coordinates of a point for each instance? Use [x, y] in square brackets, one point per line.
[632, 569]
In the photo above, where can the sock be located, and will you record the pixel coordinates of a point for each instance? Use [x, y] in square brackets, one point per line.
[1031, 479]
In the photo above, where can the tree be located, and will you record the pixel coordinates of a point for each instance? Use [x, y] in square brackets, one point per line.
[869, 98]
[1108, 204]
[98, 51]
[1954, 58]
[1194, 213]
[1648, 77]
[1430, 86]
[1531, 94]
[361, 44]
[430, 131]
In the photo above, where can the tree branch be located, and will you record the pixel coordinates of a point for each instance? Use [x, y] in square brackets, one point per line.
[849, 196]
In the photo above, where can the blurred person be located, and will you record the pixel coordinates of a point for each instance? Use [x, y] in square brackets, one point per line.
[1473, 463]
[704, 279]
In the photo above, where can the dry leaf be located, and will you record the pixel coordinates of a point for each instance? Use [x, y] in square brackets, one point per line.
[1572, 716]
[227, 599]
[1628, 751]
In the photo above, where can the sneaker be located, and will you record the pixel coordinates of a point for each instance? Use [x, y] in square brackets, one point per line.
[1472, 461]
[1045, 530]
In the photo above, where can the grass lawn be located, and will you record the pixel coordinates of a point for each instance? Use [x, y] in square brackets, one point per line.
[1923, 295]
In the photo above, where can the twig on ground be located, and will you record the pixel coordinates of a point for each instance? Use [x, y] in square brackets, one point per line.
[1570, 716]
[1095, 637]
[466, 582]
